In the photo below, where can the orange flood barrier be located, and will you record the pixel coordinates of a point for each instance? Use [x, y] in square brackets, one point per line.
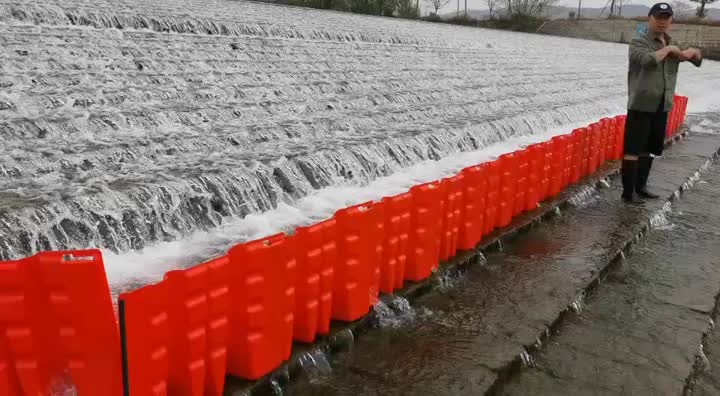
[425, 231]
[175, 332]
[56, 319]
[262, 296]
[452, 214]
[358, 258]
[316, 255]
[474, 202]
[398, 214]
[239, 313]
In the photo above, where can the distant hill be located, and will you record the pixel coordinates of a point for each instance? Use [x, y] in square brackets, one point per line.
[630, 11]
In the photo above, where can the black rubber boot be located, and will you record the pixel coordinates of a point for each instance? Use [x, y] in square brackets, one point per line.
[644, 165]
[629, 173]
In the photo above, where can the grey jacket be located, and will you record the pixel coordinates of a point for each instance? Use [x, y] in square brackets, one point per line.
[651, 84]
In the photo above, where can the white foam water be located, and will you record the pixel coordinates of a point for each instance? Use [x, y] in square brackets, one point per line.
[150, 263]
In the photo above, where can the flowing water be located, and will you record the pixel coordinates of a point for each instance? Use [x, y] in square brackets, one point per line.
[164, 132]
[500, 312]
[641, 331]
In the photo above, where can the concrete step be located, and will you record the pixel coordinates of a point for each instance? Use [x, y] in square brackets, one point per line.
[641, 330]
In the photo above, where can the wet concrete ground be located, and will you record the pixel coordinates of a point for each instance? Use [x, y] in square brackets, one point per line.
[641, 330]
[467, 337]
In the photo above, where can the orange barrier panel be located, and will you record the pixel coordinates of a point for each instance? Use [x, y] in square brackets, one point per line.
[553, 162]
[175, 332]
[48, 327]
[356, 264]
[398, 213]
[199, 300]
[452, 188]
[315, 255]
[560, 164]
[217, 326]
[602, 125]
[671, 118]
[543, 171]
[377, 242]
[27, 337]
[8, 383]
[574, 156]
[474, 195]
[442, 186]
[565, 154]
[425, 231]
[309, 258]
[604, 131]
[585, 140]
[492, 200]
[557, 166]
[327, 275]
[576, 161]
[521, 176]
[262, 278]
[594, 143]
[532, 197]
[682, 112]
[568, 151]
[144, 330]
[88, 332]
[678, 114]
[508, 184]
[187, 310]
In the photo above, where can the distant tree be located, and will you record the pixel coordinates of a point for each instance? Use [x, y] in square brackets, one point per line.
[701, 11]
[571, 14]
[492, 5]
[527, 9]
[364, 7]
[387, 7]
[437, 4]
[407, 9]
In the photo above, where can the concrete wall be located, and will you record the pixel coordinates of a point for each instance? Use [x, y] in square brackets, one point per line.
[620, 30]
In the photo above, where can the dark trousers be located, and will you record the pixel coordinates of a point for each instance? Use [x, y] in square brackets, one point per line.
[645, 132]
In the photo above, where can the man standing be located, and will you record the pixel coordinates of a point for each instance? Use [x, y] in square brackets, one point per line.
[652, 75]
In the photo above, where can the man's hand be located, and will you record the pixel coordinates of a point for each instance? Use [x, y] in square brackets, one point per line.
[692, 53]
[670, 50]
[675, 52]
[694, 56]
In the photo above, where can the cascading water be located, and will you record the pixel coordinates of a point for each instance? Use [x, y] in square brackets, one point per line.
[126, 124]
[584, 197]
[395, 313]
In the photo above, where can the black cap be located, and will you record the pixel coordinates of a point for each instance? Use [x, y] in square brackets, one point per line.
[661, 9]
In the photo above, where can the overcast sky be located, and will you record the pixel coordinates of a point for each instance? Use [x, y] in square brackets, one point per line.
[481, 4]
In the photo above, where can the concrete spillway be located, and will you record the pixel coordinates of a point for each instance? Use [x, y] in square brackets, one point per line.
[126, 123]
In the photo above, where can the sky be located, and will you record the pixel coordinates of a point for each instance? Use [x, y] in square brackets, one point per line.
[482, 4]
